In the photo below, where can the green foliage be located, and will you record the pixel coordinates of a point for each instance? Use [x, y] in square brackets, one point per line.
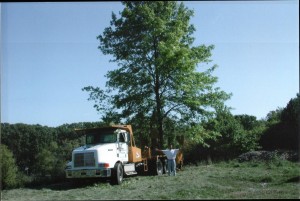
[237, 134]
[273, 117]
[291, 113]
[248, 122]
[283, 127]
[27, 141]
[47, 159]
[8, 167]
[158, 78]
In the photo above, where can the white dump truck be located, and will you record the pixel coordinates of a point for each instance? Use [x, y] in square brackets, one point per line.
[111, 152]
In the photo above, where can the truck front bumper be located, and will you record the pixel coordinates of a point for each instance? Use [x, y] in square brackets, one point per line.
[88, 173]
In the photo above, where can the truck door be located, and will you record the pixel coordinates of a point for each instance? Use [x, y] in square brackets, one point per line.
[122, 147]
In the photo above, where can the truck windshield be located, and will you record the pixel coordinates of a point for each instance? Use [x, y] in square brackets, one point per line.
[98, 138]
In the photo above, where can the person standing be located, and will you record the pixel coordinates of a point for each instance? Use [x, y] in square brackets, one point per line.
[171, 156]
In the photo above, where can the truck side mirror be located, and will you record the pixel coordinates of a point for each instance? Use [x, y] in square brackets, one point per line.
[128, 139]
[83, 140]
[125, 137]
[121, 137]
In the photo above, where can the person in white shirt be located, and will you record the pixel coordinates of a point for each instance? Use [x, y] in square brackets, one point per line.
[171, 156]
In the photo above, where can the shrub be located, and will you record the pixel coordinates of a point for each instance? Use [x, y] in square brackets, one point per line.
[9, 170]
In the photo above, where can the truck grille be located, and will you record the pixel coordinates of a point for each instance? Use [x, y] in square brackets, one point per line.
[84, 159]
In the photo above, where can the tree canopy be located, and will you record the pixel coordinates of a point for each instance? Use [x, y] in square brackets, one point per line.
[158, 76]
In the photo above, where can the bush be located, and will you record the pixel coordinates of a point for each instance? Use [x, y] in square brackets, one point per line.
[9, 169]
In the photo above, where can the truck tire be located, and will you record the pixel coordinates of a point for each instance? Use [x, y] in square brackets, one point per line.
[165, 166]
[159, 167]
[179, 166]
[140, 169]
[155, 167]
[117, 174]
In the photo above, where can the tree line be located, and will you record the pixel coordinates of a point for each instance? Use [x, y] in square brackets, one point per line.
[32, 153]
[237, 134]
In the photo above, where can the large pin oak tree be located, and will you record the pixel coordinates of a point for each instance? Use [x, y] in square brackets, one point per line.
[158, 78]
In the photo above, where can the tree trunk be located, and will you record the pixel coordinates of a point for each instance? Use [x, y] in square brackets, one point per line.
[157, 87]
[159, 116]
[161, 134]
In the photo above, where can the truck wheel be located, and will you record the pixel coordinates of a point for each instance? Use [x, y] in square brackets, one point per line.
[140, 169]
[117, 174]
[159, 168]
[165, 166]
[155, 167]
[180, 165]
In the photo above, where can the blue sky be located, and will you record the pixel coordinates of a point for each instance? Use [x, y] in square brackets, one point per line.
[49, 53]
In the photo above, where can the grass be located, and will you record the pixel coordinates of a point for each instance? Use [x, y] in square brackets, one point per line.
[223, 180]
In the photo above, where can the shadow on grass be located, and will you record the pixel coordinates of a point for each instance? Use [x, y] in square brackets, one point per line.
[294, 180]
[68, 184]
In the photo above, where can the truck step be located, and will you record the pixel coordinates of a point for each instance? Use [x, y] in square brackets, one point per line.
[131, 173]
[145, 164]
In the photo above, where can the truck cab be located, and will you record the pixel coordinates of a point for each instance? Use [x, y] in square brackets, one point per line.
[108, 152]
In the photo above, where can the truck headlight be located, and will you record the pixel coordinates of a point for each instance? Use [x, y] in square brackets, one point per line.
[68, 165]
[103, 165]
